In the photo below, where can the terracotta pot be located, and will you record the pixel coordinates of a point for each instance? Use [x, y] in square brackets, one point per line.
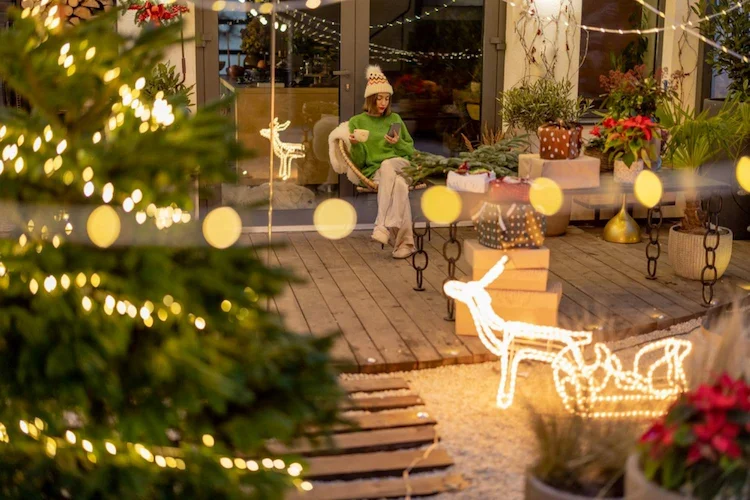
[637, 487]
[625, 174]
[251, 61]
[557, 225]
[537, 490]
[688, 257]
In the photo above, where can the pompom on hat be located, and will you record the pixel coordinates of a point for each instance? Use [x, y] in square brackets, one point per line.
[377, 82]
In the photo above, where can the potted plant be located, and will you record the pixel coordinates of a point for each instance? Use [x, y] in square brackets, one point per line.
[628, 141]
[700, 449]
[527, 107]
[578, 457]
[164, 78]
[256, 40]
[694, 140]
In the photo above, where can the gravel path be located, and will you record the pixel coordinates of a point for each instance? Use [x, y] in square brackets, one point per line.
[492, 447]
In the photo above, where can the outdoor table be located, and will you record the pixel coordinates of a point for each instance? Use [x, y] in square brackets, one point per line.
[672, 181]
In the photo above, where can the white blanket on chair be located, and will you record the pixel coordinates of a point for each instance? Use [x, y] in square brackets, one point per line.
[334, 153]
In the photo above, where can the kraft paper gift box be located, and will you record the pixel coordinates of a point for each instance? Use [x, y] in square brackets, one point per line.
[483, 258]
[581, 172]
[470, 183]
[538, 308]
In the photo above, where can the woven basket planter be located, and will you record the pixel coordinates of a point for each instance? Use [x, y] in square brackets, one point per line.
[604, 164]
[688, 257]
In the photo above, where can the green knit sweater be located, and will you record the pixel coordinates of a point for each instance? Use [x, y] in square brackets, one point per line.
[369, 155]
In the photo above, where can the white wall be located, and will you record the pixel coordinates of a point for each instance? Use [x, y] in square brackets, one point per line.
[126, 25]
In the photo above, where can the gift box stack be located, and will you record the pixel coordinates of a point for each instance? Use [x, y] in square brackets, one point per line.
[509, 226]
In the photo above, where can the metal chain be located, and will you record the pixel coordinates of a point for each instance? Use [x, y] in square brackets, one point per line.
[653, 248]
[452, 259]
[419, 244]
[709, 275]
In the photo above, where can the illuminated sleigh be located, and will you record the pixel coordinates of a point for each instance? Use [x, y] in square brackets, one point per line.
[598, 389]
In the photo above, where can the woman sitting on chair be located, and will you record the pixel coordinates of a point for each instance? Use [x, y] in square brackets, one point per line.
[382, 157]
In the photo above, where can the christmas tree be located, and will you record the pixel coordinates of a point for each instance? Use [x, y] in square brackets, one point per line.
[136, 360]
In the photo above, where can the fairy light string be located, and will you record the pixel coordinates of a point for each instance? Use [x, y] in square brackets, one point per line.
[583, 387]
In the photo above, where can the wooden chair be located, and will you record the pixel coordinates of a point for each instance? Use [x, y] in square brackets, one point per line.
[366, 185]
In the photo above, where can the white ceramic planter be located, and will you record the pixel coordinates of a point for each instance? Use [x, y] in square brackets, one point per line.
[688, 257]
[637, 487]
[537, 490]
[626, 174]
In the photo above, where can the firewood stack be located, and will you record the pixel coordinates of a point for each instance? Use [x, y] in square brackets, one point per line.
[75, 11]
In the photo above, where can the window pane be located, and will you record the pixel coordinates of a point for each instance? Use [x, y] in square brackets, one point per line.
[432, 55]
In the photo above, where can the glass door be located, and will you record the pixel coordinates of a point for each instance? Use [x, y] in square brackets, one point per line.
[305, 60]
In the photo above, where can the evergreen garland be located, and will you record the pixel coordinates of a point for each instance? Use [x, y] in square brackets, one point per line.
[501, 158]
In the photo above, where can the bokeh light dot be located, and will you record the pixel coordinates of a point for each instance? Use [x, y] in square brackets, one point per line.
[743, 173]
[222, 227]
[545, 196]
[648, 188]
[441, 205]
[103, 226]
[335, 219]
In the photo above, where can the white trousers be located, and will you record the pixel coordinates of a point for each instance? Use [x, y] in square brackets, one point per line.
[394, 210]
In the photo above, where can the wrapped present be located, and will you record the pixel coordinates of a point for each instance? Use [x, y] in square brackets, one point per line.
[526, 268]
[470, 183]
[581, 172]
[559, 141]
[510, 190]
[517, 226]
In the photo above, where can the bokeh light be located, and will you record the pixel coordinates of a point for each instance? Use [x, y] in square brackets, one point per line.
[103, 226]
[222, 227]
[545, 196]
[743, 173]
[648, 188]
[441, 205]
[335, 219]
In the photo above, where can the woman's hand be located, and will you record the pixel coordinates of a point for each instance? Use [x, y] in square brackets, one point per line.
[391, 140]
[352, 139]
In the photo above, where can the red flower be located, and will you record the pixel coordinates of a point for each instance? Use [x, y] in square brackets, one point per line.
[609, 122]
[596, 132]
[694, 454]
[727, 446]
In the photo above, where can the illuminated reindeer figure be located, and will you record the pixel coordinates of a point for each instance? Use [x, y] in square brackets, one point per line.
[602, 382]
[286, 151]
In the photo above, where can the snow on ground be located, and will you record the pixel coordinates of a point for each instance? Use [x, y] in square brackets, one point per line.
[491, 447]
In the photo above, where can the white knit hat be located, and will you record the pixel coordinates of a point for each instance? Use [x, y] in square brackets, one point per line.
[377, 82]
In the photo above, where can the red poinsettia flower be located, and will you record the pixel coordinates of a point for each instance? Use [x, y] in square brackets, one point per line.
[596, 132]
[727, 446]
[609, 122]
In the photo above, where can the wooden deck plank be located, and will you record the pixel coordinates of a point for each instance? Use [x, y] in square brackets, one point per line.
[381, 315]
[286, 303]
[440, 335]
[360, 442]
[388, 420]
[384, 463]
[382, 404]
[320, 319]
[374, 384]
[639, 296]
[386, 488]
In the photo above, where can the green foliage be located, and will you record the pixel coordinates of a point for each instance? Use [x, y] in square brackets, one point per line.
[628, 139]
[204, 366]
[164, 78]
[500, 157]
[732, 31]
[636, 93]
[582, 456]
[534, 104]
[697, 138]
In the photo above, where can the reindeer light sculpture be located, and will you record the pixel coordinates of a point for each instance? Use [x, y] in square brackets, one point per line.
[582, 386]
[286, 151]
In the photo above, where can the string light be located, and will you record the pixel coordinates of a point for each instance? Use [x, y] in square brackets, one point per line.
[581, 386]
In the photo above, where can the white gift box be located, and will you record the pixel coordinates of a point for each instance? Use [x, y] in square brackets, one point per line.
[470, 183]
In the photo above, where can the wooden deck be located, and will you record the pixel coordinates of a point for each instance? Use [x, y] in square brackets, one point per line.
[353, 286]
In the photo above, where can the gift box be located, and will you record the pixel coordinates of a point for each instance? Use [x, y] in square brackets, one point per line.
[581, 172]
[509, 190]
[517, 226]
[538, 308]
[559, 141]
[470, 183]
[526, 269]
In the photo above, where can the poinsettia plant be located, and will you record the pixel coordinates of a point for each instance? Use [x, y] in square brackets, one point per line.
[627, 138]
[702, 446]
[156, 12]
